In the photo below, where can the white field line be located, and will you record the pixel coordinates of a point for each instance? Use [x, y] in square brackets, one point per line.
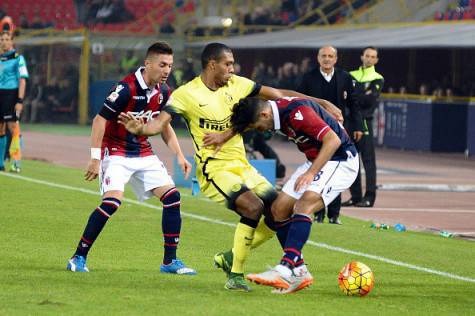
[396, 209]
[215, 221]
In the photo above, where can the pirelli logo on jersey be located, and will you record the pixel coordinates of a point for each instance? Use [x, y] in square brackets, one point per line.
[215, 125]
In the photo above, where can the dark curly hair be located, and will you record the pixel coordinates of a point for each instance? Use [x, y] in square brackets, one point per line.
[245, 113]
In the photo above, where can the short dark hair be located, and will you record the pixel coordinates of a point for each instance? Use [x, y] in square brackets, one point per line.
[213, 51]
[159, 48]
[245, 113]
[369, 47]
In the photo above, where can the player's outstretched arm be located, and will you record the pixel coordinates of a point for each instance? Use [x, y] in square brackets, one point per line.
[169, 137]
[97, 133]
[137, 126]
[270, 93]
[330, 144]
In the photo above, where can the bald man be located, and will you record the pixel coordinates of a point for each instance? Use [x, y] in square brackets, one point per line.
[335, 85]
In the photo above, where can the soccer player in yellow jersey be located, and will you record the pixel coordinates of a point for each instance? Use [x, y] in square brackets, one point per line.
[224, 174]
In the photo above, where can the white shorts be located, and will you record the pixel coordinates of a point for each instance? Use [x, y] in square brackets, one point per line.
[334, 178]
[143, 173]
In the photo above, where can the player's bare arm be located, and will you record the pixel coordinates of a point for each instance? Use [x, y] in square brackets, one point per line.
[270, 93]
[169, 137]
[330, 144]
[138, 127]
[98, 128]
[21, 96]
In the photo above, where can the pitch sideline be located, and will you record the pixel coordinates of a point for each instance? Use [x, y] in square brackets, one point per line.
[216, 221]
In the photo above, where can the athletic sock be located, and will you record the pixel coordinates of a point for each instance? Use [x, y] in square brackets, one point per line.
[298, 234]
[282, 231]
[171, 224]
[3, 149]
[262, 234]
[95, 224]
[243, 236]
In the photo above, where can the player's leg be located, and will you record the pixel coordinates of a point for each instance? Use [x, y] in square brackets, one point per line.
[3, 144]
[282, 276]
[171, 229]
[368, 156]
[111, 201]
[225, 182]
[334, 178]
[113, 177]
[291, 274]
[152, 179]
[3, 126]
[265, 229]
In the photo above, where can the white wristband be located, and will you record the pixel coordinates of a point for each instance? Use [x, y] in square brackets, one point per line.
[96, 153]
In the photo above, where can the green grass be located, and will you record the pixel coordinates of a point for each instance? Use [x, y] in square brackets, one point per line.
[74, 129]
[41, 224]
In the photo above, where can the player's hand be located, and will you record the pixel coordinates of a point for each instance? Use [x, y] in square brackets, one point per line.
[214, 139]
[357, 135]
[303, 181]
[131, 123]
[336, 112]
[92, 169]
[185, 166]
[18, 109]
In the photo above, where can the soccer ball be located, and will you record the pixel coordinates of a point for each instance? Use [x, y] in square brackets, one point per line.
[356, 278]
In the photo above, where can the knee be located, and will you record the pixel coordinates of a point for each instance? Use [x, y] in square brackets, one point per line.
[279, 212]
[309, 203]
[252, 210]
[109, 206]
[171, 198]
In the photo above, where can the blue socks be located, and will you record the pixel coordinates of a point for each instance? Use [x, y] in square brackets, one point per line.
[3, 150]
[171, 224]
[298, 233]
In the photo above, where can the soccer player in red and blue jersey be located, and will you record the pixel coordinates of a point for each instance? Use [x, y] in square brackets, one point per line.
[331, 167]
[119, 157]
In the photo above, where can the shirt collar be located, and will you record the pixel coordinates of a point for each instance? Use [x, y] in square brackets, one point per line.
[11, 51]
[275, 112]
[329, 76]
[138, 75]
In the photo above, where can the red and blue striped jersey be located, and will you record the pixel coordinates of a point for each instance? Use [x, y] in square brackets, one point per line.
[306, 123]
[131, 95]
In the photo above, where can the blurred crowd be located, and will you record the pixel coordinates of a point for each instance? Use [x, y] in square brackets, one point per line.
[304, 11]
[457, 10]
[90, 12]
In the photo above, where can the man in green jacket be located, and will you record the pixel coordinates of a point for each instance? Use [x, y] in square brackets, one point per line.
[368, 85]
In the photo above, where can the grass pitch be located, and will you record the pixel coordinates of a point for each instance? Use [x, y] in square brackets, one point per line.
[43, 212]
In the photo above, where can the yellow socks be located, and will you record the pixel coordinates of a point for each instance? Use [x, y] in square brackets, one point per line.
[243, 237]
[263, 233]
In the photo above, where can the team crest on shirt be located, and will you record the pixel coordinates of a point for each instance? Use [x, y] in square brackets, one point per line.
[345, 95]
[229, 98]
[160, 98]
[107, 180]
[298, 116]
[115, 94]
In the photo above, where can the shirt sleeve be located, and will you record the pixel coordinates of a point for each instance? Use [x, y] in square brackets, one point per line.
[116, 102]
[306, 120]
[22, 70]
[175, 104]
[246, 86]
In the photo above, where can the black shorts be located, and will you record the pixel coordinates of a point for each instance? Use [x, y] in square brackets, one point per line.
[8, 99]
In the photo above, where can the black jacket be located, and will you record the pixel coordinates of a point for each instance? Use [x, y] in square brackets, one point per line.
[345, 96]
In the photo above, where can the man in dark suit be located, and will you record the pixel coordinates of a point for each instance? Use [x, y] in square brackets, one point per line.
[335, 85]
